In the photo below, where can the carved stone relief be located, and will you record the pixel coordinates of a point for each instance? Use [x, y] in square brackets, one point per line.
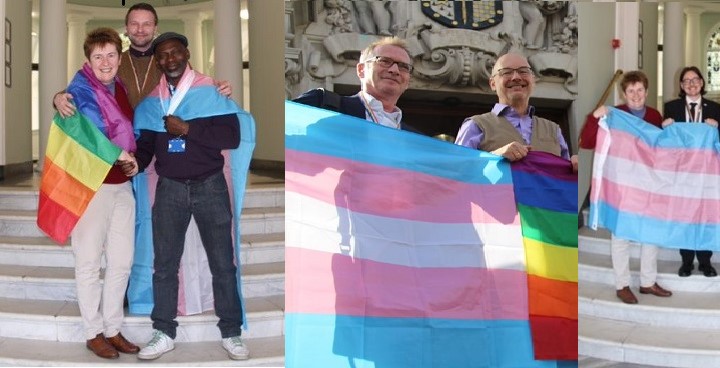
[453, 44]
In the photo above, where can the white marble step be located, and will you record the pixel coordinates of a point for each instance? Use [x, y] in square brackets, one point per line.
[259, 196]
[18, 198]
[58, 283]
[60, 321]
[264, 352]
[598, 242]
[635, 343]
[598, 268]
[264, 220]
[683, 309]
[25, 198]
[590, 362]
[41, 251]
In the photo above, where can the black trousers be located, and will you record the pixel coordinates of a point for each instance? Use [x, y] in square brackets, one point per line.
[703, 256]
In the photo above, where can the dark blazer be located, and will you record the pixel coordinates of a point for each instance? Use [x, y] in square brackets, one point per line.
[349, 105]
[675, 109]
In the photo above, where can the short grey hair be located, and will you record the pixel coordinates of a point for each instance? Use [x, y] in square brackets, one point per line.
[393, 41]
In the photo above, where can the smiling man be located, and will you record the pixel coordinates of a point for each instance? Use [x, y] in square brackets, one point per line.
[384, 70]
[692, 107]
[512, 129]
[185, 124]
[138, 71]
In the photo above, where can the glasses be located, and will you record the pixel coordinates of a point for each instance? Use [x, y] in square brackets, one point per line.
[507, 73]
[695, 81]
[387, 62]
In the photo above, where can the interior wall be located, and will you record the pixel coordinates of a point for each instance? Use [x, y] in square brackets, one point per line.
[17, 140]
[596, 29]
[649, 17]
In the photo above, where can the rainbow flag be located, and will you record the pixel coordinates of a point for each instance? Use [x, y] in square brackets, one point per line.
[657, 186]
[401, 250]
[546, 195]
[77, 159]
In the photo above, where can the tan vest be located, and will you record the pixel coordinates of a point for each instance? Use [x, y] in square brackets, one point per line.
[498, 132]
[133, 84]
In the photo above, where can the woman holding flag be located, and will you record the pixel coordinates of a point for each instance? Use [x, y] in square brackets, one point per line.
[85, 194]
[633, 86]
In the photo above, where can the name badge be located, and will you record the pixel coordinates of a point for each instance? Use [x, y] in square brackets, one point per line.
[176, 145]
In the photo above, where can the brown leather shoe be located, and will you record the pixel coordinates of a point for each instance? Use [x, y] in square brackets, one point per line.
[626, 295]
[101, 347]
[122, 345]
[655, 290]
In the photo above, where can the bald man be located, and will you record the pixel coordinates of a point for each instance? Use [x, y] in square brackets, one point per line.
[512, 129]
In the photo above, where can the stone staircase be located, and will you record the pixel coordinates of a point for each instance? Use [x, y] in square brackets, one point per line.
[39, 317]
[680, 331]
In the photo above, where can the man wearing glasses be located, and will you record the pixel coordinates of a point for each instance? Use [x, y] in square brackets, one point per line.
[384, 71]
[512, 129]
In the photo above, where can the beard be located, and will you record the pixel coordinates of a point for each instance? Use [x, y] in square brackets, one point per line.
[140, 43]
[177, 73]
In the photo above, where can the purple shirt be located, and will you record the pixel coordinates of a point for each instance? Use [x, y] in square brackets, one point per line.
[470, 135]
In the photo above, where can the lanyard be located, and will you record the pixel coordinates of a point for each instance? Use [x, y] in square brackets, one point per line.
[368, 109]
[374, 117]
[147, 72]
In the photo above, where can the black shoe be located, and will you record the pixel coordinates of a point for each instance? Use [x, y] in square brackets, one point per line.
[685, 270]
[707, 270]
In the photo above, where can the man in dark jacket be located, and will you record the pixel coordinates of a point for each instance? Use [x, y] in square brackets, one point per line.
[384, 70]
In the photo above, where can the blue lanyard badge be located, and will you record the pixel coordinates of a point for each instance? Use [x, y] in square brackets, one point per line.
[176, 145]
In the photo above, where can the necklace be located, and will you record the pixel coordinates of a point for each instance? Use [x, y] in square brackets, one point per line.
[147, 72]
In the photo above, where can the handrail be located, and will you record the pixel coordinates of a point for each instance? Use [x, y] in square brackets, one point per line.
[605, 95]
[618, 74]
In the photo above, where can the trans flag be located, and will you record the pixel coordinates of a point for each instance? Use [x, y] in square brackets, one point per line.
[406, 251]
[657, 186]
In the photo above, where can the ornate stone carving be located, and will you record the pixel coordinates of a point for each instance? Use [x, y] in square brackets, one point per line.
[376, 17]
[338, 15]
[293, 71]
[474, 15]
[555, 66]
[458, 57]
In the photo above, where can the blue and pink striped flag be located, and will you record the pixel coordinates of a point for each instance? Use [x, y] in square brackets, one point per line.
[195, 294]
[657, 186]
[401, 250]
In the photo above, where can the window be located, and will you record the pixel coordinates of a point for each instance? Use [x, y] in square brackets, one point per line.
[713, 62]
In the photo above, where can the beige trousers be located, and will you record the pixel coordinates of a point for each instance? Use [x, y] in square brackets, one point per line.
[621, 263]
[107, 227]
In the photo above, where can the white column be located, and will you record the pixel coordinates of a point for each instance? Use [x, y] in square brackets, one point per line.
[267, 77]
[693, 40]
[228, 56]
[627, 28]
[53, 64]
[76, 37]
[193, 32]
[673, 48]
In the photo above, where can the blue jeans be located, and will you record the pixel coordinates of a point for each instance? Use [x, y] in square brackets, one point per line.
[209, 202]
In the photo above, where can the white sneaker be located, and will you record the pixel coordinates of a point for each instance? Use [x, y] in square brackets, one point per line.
[157, 346]
[236, 348]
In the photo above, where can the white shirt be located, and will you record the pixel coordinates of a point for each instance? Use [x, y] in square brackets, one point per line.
[698, 109]
[388, 119]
